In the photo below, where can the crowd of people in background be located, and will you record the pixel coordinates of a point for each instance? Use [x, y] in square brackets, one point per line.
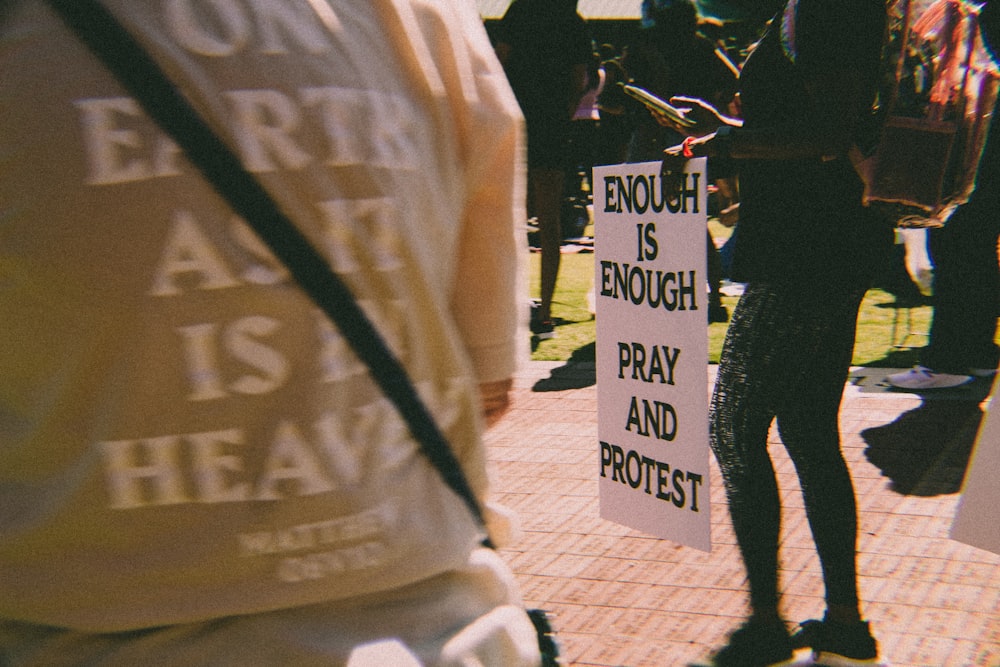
[579, 116]
[785, 131]
[677, 51]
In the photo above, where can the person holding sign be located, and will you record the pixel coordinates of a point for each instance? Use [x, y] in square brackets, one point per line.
[806, 248]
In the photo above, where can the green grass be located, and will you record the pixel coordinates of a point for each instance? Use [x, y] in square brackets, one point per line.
[883, 340]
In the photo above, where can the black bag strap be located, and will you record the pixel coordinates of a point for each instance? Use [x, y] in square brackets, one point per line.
[144, 79]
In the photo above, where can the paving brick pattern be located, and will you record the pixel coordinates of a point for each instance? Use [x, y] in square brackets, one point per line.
[623, 598]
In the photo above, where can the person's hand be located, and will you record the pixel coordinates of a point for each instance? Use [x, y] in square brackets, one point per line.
[705, 117]
[675, 160]
[495, 399]
[730, 215]
[672, 168]
[664, 120]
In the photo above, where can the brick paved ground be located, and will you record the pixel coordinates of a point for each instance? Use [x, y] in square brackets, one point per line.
[620, 597]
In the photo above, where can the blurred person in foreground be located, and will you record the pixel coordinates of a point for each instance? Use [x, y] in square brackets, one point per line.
[546, 50]
[966, 287]
[807, 249]
[194, 467]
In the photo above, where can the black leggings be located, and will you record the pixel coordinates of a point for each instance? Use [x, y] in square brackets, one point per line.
[786, 356]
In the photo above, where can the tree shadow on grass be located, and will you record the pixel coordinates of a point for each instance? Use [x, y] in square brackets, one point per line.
[578, 372]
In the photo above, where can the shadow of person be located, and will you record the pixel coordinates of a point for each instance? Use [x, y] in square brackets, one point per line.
[578, 372]
[925, 452]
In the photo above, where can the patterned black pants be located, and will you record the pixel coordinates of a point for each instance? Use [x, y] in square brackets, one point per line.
[787, 355]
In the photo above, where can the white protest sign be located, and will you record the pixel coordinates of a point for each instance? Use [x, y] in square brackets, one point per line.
[652, 351]
[976, 522]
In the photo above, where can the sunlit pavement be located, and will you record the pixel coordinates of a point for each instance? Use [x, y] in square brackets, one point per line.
[620, 597]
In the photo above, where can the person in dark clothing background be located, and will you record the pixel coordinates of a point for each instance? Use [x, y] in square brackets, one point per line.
[807, 249]
[671, 57]
[545, 49]
[966, 287]
[615, 128]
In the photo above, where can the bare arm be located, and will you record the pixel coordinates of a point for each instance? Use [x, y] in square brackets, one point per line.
[836, 99]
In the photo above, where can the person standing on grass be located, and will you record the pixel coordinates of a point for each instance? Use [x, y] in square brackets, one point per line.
[806, 249]
[546, 49]
[966, 272]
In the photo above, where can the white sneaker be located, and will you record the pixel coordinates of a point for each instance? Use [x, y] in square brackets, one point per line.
[921, 377]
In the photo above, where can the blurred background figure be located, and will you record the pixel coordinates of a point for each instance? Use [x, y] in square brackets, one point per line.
[546, 51]
[966, 283]
[615, 128]
[671, 57]
[587, 119]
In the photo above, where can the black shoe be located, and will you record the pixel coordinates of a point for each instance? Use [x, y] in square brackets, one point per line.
[540, 329]
[756, 644]
[838, 644]
[717, 313]
[543, 330]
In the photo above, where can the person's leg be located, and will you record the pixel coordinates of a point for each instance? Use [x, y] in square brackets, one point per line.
[740, 416]
[809, 428]
[966, 292]
[546, 189]
[716, 311]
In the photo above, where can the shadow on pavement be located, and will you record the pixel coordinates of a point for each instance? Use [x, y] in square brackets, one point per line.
[578, 372]
[925, 452]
